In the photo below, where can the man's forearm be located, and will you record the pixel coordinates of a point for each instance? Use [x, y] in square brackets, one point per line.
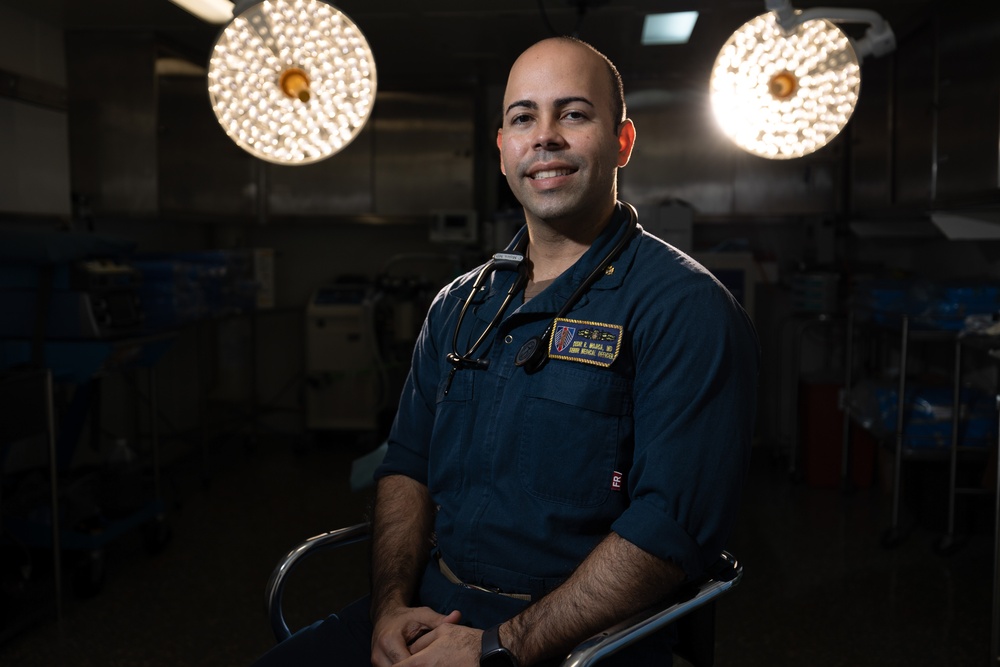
[617, 580]
[401, 532]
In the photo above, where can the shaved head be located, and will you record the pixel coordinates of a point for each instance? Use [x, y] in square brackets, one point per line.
[617, 90]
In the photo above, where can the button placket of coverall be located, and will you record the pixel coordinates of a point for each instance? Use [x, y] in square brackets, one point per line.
[495, 397]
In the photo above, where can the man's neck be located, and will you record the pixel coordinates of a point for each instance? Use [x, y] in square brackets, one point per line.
[554, 248]
[551, 257]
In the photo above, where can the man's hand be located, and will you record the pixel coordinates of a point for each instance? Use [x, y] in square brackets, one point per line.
[447, 645]
[397, 632]
[401, 532]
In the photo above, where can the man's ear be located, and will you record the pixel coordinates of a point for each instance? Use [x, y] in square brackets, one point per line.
[626, 140]
[500, 148]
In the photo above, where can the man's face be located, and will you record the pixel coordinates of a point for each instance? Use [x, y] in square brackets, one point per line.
[559, 145]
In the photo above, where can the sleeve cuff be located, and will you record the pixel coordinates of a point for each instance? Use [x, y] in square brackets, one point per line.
[401, 461]
[657, 533]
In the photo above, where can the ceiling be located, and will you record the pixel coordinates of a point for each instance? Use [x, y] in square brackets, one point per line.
[458, 42]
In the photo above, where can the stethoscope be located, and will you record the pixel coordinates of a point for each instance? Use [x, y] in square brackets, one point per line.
[533, 353]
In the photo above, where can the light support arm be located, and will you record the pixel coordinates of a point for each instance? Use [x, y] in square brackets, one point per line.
[878, 40]
[240, 6]
[211, 11]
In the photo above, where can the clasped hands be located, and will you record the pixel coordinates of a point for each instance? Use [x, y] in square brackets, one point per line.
[421, 637]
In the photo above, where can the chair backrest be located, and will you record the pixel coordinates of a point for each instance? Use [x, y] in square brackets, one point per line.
[275, 589]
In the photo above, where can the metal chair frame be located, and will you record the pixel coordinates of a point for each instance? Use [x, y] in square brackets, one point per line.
[691, 607]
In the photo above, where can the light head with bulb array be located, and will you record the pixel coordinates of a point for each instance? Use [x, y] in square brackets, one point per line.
[291, 81]
[787, 82]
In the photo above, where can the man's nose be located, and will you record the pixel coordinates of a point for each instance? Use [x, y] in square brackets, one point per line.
[549, 135]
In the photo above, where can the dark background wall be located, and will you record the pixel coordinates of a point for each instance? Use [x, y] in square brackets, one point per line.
[98, 136]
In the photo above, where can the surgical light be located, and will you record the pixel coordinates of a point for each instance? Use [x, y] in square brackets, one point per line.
[291, 81]
[787, 82]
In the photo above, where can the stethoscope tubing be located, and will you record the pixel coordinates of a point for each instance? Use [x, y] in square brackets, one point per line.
[534, 352]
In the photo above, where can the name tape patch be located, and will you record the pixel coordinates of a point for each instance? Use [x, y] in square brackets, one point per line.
[586, 342]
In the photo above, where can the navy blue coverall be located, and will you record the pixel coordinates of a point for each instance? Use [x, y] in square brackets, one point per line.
[639, 423]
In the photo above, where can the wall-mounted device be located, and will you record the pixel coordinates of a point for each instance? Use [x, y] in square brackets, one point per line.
[455, 227]
[345, 381]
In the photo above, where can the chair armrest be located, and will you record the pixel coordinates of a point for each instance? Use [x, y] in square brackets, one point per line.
[723, 577]
[276, 584]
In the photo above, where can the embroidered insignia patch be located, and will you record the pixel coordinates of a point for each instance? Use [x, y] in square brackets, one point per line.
[586, 342]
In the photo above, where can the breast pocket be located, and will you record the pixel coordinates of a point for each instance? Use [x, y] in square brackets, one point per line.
[452, 428]
[574, 423]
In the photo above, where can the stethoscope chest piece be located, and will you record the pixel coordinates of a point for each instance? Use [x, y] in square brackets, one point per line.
[531, 355]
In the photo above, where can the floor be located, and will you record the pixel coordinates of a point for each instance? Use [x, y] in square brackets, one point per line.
[819, 589]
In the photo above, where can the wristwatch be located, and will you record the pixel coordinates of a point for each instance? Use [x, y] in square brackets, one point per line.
[493, 653]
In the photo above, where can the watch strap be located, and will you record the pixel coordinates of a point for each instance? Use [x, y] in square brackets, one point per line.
[493, 652]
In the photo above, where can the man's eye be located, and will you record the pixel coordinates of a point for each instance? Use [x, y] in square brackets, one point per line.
[574, 115]
[519, 119]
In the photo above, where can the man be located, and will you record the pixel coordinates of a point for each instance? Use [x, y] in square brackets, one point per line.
[525, 505]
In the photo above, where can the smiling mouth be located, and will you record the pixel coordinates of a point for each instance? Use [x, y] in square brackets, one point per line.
[551, 173]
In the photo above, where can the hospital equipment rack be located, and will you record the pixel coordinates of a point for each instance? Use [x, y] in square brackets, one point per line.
[983, 344]
[901, 451]
[990, 345]
[82, 362]
[995, 636]
[26, 395]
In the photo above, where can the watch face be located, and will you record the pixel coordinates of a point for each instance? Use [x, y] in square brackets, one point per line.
[497, 658]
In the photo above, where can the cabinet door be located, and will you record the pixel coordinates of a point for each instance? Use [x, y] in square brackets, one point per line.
[913, 129]
[968, 127]
[201, 171]
[871, 144]
[423, 154]
[926, 133]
